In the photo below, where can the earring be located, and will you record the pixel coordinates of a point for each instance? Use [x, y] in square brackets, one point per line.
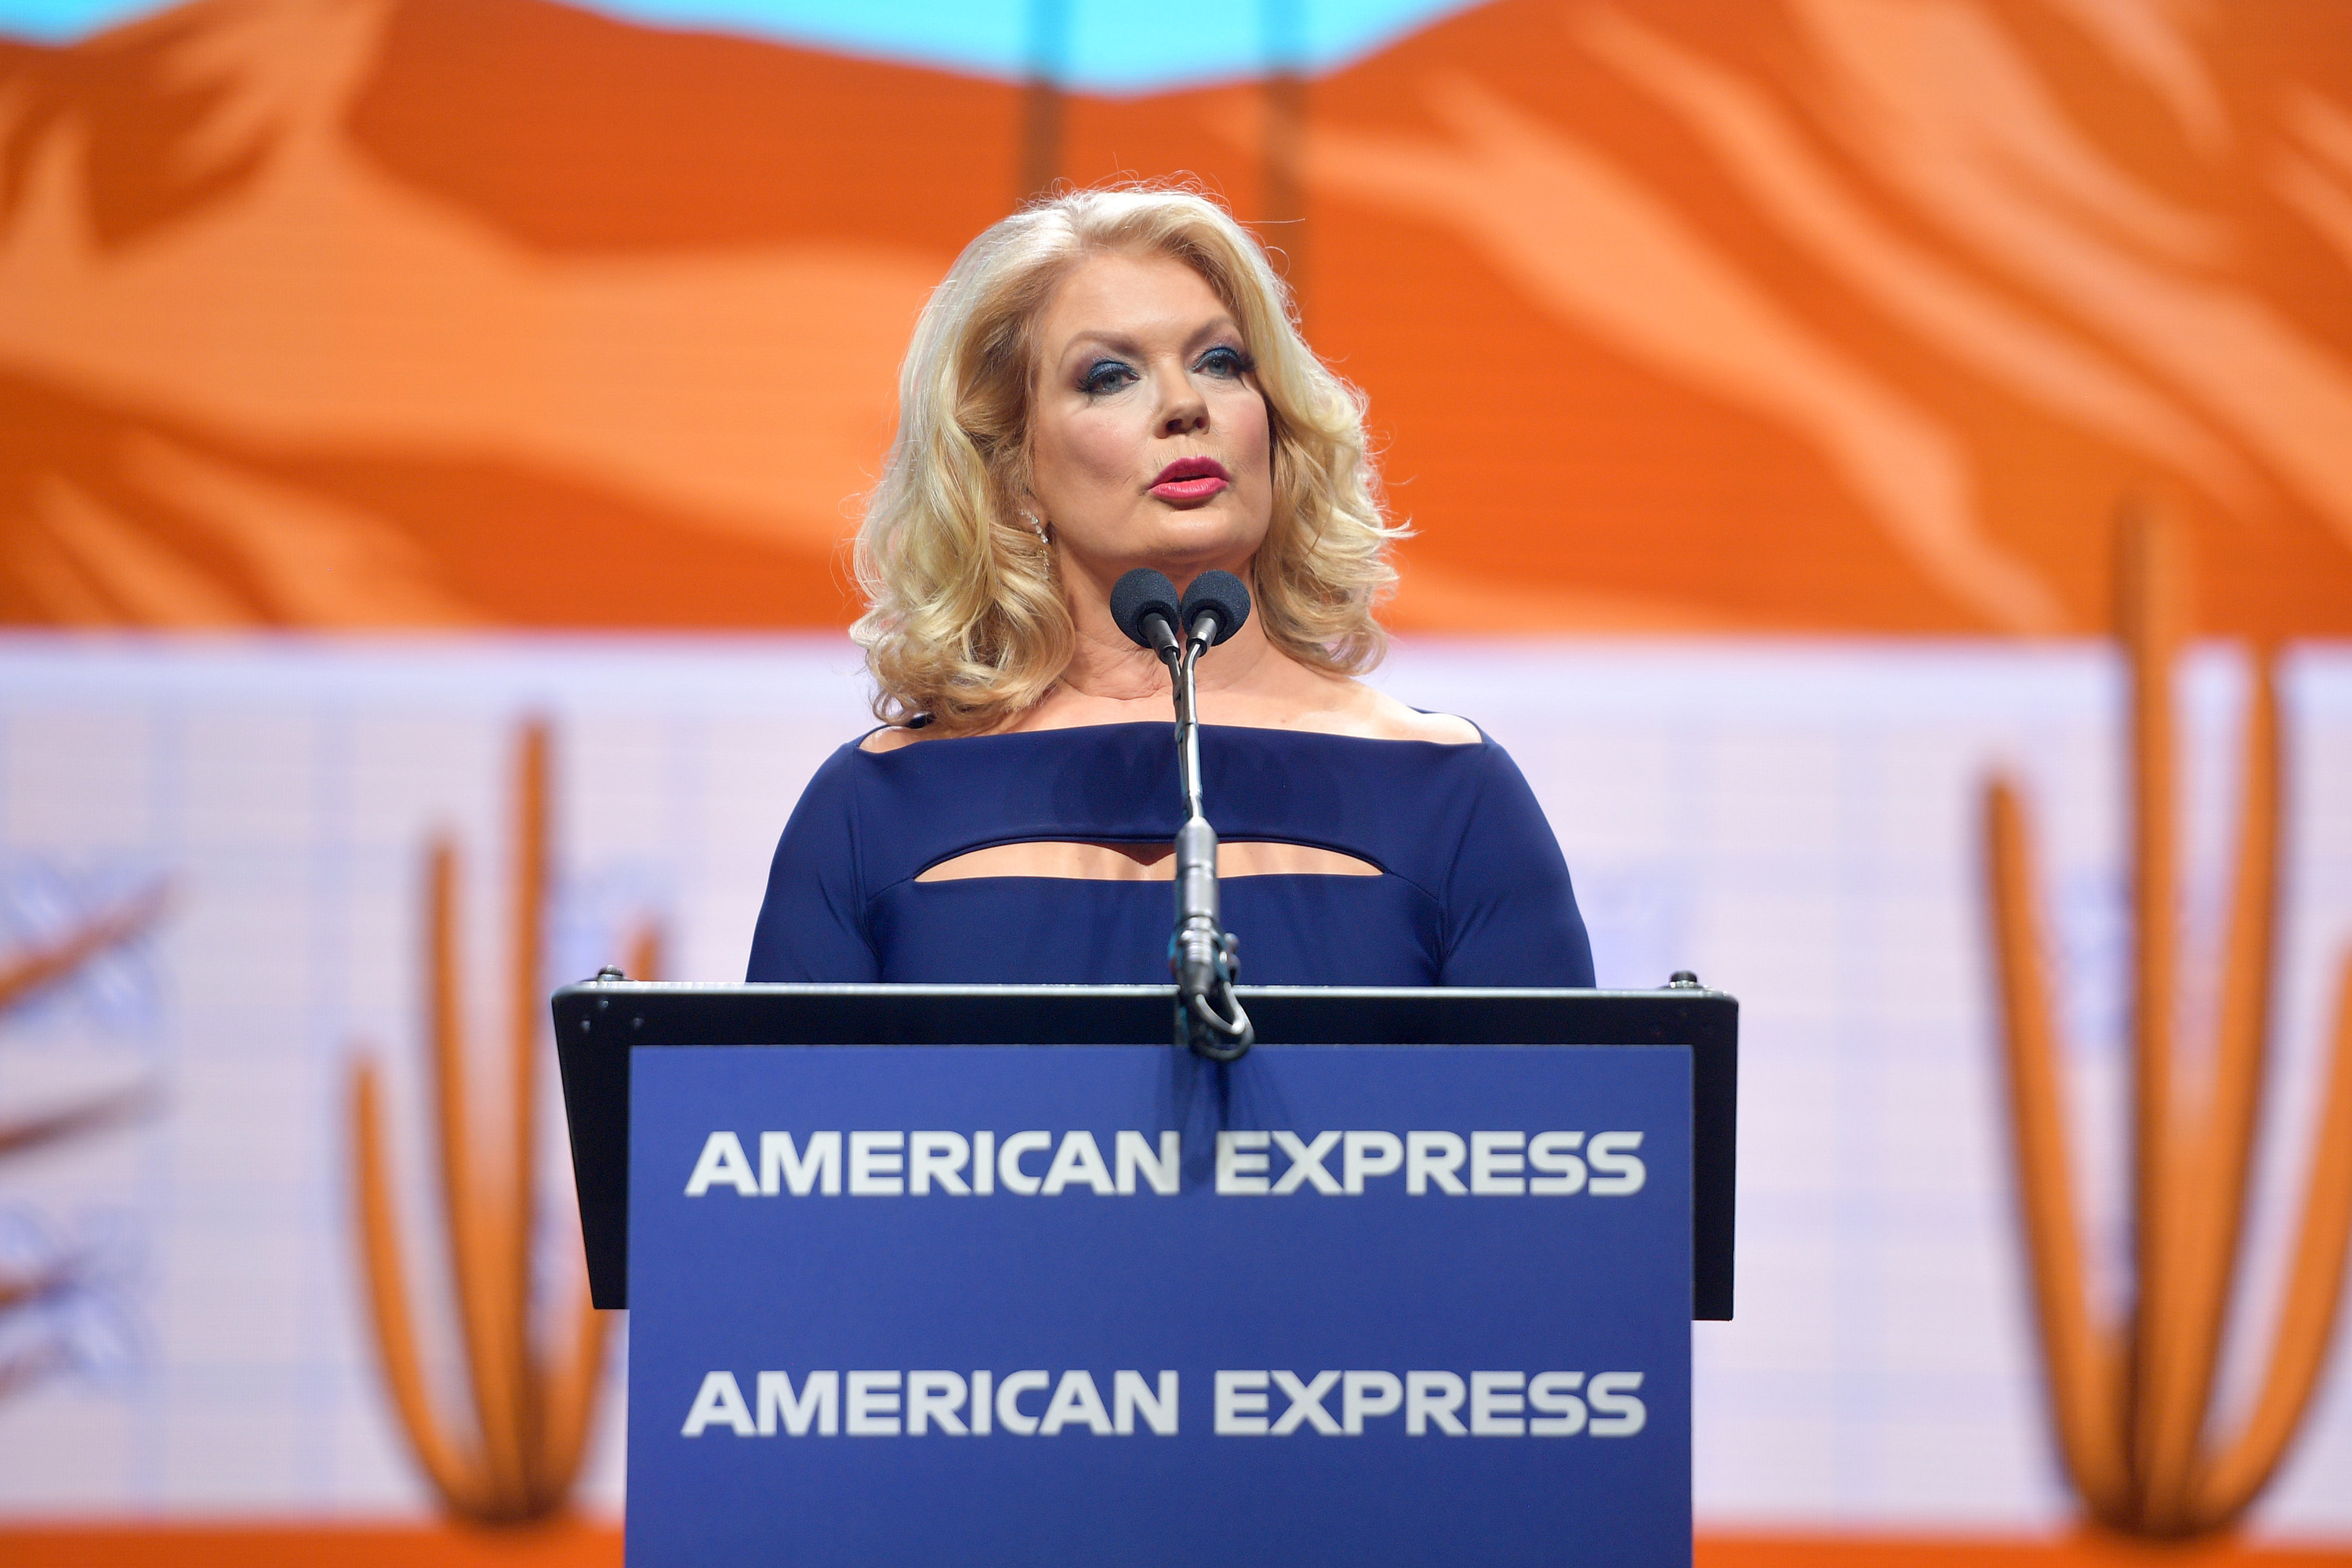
[1037, 527]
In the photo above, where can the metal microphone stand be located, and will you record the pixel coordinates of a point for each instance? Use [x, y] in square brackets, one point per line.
[1209, 1016]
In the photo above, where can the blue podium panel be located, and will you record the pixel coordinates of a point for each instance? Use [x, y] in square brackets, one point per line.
[1114, 1304]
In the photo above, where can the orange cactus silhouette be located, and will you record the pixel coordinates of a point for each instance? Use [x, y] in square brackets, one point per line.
[532, 1404]
[2131, 1402]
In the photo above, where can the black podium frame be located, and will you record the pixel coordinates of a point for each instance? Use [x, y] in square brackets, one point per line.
[599, 1022]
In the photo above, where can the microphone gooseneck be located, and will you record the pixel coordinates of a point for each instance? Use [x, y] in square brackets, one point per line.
[1200, 955]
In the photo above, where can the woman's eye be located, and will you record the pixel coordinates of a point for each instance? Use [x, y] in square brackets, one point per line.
[1225, 362]
[1106, 375]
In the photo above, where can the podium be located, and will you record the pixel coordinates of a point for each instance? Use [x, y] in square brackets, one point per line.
[996, 1275]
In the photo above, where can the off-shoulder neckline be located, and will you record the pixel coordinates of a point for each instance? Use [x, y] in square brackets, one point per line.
[1480, 744]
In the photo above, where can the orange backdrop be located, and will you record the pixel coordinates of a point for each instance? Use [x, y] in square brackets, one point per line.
[1826, 315]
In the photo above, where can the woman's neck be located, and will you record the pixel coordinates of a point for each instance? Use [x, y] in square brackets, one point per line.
[1111, 678]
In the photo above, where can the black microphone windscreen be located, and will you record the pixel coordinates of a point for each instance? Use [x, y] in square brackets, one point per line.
[1140, 596]
[1221, 592]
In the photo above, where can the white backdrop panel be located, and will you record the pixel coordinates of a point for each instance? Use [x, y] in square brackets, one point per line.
[1796, 821]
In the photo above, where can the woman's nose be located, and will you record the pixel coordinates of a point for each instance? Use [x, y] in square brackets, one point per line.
[1185, 412]
[1182, 408]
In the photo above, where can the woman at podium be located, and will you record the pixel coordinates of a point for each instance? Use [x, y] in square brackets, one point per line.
[1105, 381]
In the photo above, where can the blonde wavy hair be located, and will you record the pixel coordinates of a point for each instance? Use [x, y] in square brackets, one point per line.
[964, 620]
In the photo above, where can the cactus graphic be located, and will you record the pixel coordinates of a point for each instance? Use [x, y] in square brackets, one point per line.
[2131, 1401]
[516, 1455]
[22, 976]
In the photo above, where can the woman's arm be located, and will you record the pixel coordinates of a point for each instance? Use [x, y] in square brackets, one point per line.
[1510, 913]
[813, 923]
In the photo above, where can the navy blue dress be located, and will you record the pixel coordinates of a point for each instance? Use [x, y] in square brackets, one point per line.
[1472, 890]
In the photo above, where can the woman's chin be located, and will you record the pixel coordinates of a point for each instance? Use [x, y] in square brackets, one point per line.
[1200, 540]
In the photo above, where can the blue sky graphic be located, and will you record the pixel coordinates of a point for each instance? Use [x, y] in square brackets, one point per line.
[1100, 46]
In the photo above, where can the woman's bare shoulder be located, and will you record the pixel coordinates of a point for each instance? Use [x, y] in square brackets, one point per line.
[1353, 708]
[893, 737]
[1399, 722]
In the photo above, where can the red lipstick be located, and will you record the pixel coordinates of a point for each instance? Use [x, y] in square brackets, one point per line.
[1191, 480]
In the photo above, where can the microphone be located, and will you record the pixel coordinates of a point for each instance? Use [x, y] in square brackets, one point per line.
[1200, 955]
[1144, 604]
[1221, 597]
